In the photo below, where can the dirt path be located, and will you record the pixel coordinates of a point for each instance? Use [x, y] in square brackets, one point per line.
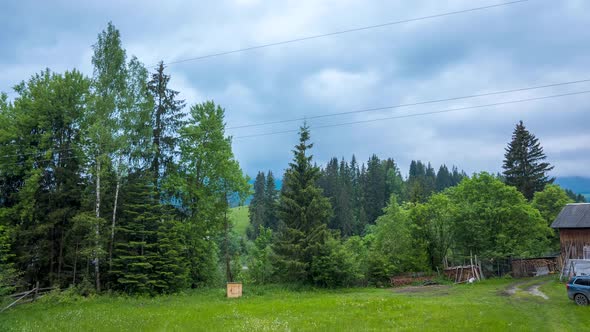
[532, 288]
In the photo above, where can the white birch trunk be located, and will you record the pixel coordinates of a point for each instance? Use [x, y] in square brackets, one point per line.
[97, 232]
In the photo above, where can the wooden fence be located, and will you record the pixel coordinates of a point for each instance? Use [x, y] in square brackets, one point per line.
[27, 296]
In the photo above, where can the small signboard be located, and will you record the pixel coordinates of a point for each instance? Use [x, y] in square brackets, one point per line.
[234, 289]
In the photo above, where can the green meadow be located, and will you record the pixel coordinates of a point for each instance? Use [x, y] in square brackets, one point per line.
[486, 306]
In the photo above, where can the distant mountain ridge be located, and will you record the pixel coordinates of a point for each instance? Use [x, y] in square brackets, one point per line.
[577, 184]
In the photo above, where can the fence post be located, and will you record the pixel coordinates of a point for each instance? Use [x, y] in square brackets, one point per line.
[36, 291]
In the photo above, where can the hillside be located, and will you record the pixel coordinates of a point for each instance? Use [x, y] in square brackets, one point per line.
[577, 184]
[239, 218]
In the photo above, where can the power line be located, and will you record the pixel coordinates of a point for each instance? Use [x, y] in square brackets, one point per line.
[407, 105]
[420, 114]
[371, 120]
[290, 41]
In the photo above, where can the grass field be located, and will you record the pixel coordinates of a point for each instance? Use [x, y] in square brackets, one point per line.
[239, 217]
[487, 306]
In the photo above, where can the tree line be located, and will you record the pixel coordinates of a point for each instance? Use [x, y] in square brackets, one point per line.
[109, 182]
[344, 225]
[113, 182]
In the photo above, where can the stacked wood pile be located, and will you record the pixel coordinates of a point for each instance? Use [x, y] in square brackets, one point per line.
[408, 280]
[463, 273]
[530, 267]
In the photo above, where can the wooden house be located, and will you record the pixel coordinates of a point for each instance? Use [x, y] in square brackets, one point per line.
[573, 224]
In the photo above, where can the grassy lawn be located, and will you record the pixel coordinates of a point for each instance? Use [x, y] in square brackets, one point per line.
[239, 216]
[484, 307]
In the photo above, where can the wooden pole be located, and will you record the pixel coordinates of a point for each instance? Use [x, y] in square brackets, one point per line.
[36, 291]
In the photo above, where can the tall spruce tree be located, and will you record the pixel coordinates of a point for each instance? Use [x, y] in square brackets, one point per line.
[133, 261]
[443, 178]
[257, 208]
[271, 196]
[524, 163]
[166, 121]
[375, 189]
[304, 214]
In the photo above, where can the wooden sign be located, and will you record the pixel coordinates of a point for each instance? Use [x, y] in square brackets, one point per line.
[234, 289]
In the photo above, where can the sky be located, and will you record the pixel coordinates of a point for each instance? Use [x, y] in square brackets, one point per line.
[532, 43]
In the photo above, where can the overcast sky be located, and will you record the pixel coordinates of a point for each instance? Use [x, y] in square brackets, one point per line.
[532, 43]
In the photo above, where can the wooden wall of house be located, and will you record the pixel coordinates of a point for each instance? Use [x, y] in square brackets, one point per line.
[573, 241]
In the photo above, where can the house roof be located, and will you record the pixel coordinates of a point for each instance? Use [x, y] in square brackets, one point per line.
[573, 216]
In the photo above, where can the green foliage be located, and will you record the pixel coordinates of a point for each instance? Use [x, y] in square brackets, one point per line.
[257, 208]
[550, 202]
[208, 175]
[396, 247]
[494, 220]
[277, 308]
[303, 213]
[165, 122]
[260, 267]
[170, 268]
[435, 220]
[524, 165]
[335, 266]
[8, 274]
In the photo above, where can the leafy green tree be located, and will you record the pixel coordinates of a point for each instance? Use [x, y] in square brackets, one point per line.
[494, 220]
[524, 165]
[109, 92]
[131, 143]
[260, 264]
[335, 266]
[41, 169]
[435, 221]
[208, 175]
[304, 214]
[395, 247]
[550, 202]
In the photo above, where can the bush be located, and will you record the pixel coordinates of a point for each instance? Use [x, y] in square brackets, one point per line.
[336, 267]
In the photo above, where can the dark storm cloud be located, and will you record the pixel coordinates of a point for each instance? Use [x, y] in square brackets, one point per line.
[532, 43]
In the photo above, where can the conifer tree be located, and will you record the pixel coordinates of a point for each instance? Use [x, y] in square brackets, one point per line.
[443, 178]
[524, 163]
[271, 196]
[8, 274]
[375, 188]
[166, 121]
[257, 208]
[304, 213]
[171, 271]
[136, 250]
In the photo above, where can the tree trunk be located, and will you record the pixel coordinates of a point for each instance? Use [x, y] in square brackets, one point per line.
[115, 214]
[97, 231]
[75, 264]
[60, 259]
[228, 273]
